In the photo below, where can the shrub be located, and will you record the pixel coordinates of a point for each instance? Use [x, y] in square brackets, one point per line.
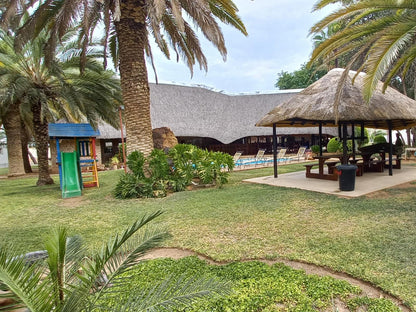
[357, 134]
[315, 149]
[380, 139]
[333, 145]
[159, 173]
[349, 146]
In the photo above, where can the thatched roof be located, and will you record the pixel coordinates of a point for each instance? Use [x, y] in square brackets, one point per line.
[316, 103]
[200, 112]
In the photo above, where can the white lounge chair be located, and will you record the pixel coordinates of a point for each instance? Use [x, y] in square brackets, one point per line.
[237, 156]
[259, 159]
[299, 155]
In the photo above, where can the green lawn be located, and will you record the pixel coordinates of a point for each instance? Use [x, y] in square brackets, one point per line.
[370, 238]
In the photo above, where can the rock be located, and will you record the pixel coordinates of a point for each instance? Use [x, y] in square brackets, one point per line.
[164, 138]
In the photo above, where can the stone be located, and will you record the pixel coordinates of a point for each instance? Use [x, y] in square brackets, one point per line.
[164, 138]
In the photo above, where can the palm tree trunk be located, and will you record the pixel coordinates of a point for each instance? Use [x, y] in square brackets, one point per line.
[41, 135]
[25, 150]
[11, 124]
[132, 37]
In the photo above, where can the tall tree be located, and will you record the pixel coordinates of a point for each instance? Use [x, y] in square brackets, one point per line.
[134, 21]
[30, 88]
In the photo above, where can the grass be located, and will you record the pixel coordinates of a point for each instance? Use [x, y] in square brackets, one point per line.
[370, 238]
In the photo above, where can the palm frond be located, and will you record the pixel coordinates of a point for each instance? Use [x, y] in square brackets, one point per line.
[24, 281]
[113, 263]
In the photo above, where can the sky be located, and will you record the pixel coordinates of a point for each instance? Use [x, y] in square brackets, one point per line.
[278, 41]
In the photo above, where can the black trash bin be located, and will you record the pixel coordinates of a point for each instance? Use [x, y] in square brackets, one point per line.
[347, 177]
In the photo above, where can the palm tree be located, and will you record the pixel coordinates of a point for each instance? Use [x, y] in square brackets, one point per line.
[134, 21]
[30, 88]
[71, 281]
[380, 31]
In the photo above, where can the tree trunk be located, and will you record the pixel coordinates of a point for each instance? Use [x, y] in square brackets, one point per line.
[131, 33]
[41, 135]
[11, 124]
[25, 150]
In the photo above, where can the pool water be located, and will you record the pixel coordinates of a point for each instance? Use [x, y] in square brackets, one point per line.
[253, 161]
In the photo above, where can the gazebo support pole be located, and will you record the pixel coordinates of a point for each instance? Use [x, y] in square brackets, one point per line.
[390, 148]
[320, 138]
[274, 150]
[344, 144]
[353, 140]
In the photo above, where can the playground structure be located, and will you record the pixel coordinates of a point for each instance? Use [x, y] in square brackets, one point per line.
[77, 169]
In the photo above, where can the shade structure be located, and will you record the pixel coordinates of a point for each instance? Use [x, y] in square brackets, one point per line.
[316, 104]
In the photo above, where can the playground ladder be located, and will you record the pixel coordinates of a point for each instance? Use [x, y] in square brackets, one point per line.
[88, 163]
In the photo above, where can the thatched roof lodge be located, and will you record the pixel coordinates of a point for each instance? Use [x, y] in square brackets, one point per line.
[216, 120]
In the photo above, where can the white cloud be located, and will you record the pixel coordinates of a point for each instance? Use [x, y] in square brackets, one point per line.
[278, 40]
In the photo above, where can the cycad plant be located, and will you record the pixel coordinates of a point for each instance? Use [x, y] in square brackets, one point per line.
[70, 281]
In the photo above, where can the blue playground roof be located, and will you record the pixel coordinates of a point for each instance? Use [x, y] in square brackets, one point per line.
[68, 130]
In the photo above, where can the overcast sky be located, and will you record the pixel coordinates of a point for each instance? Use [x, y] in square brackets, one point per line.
[277, 41]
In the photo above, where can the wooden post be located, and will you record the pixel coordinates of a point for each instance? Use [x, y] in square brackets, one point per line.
[274, 150]
[390, 148]
[344, 144]
[320, 138]
[353, 140]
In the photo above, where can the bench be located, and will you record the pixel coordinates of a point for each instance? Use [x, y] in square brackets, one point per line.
[330, 176]
[331, 166]
[309, 167]
[374, 165]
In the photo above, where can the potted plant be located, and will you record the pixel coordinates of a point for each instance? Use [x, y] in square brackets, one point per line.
[115, 162]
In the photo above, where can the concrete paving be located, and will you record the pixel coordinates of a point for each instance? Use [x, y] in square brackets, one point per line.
[368, 183]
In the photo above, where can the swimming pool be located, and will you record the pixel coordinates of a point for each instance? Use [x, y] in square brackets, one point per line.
[254, 161]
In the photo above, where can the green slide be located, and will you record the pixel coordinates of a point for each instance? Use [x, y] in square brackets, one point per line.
[71, 183]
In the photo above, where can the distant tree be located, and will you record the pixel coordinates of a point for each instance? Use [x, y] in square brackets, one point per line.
[299, 79]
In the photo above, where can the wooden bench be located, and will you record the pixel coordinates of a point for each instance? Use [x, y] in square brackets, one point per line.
[374, 165]
[360, 169]
[331, 166]
[331, 176]
[397, 163]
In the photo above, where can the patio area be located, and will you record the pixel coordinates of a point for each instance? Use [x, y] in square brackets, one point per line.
[368, 183]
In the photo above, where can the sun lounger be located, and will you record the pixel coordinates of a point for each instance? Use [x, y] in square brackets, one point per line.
[299, 155]
[282, 153]
[237, 156]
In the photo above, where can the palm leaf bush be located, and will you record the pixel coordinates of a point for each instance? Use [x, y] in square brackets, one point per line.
[70, 281]
[159, 173]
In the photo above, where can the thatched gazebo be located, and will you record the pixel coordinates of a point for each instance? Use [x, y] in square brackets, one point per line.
[317, 106]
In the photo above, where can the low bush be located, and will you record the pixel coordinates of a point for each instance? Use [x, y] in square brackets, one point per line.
[380, 139]
[158, 174]
[333, 145]
[315, 149]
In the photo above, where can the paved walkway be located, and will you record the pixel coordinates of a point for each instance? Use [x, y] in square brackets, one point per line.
[368, 183]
